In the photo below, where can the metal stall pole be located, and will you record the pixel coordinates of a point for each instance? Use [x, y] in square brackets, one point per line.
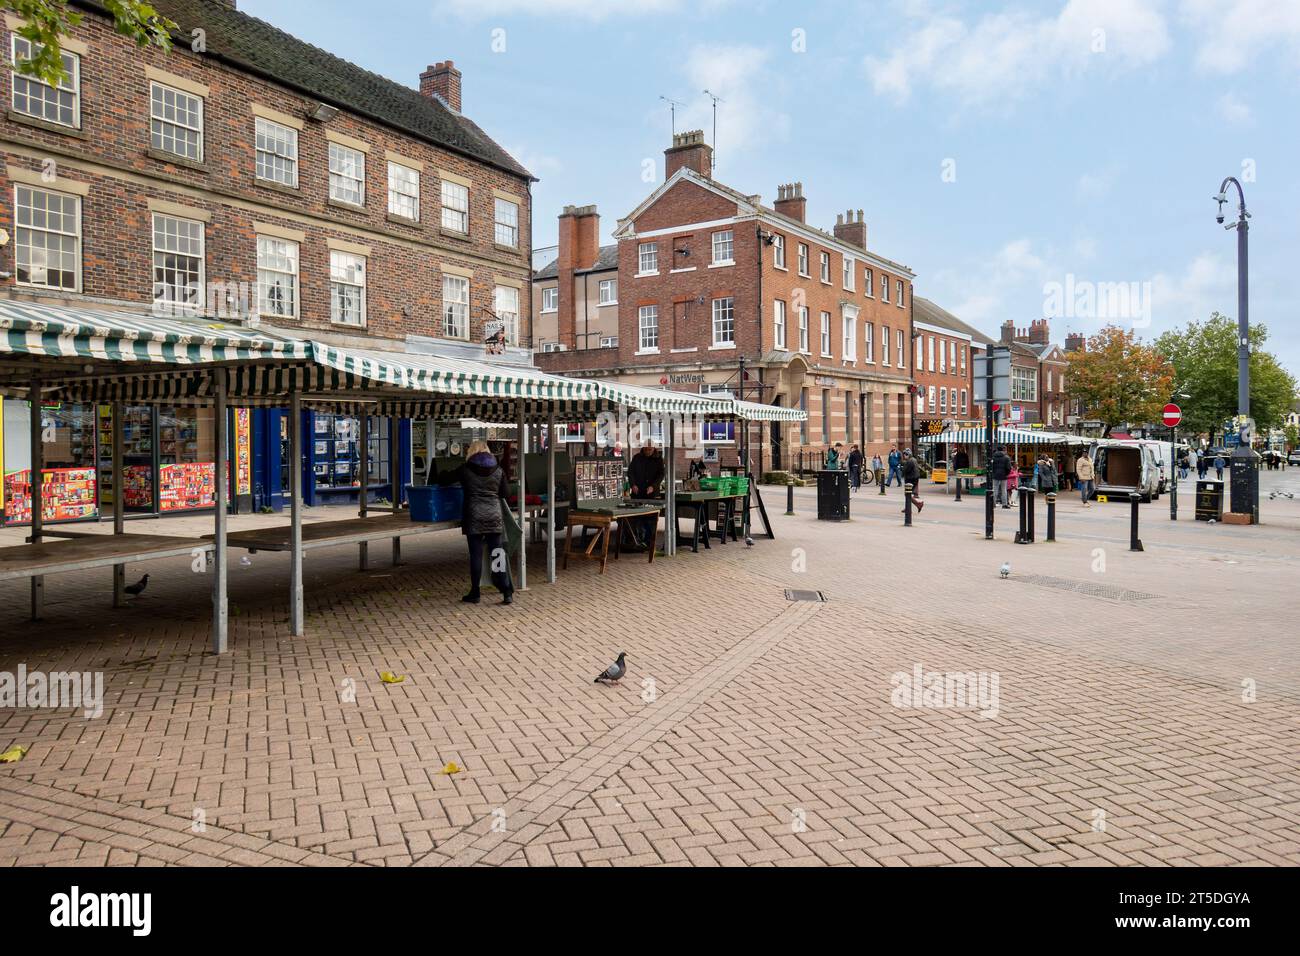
[220, 579]
[363, 467]
[119, 504]
[295, 514]
[38, 495]
[670, 492]
[395, 476]
[522, 435]
[550, 498]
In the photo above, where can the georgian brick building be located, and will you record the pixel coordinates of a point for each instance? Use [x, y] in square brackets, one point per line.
[709, 278]
[250, 176]
[943, 369]
[1038, 371]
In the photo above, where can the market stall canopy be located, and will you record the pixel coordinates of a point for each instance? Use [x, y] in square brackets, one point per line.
[1003, 436]
[758, 412]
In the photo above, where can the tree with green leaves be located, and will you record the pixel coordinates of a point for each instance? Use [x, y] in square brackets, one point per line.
[1204, 355]
[1119, 380]
[48, 22]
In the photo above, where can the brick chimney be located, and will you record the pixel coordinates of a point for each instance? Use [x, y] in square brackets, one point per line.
[579, 249]
[851, 230]
[790, 201]
[1074, 342]
[442, 81]
[1039, 333]
[689, 149]
[1008, 332]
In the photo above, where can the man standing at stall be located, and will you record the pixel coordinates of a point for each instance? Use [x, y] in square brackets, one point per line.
[999, 472]
[645, 476]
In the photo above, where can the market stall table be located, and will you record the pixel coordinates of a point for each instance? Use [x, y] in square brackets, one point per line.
[602, 515]
[329, 533]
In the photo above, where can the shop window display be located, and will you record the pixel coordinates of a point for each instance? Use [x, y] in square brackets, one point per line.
[68, 477]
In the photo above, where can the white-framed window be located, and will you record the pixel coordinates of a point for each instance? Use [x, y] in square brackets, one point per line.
[455, 206]
[943, 359]
[898, 289]
[952, 357]
[931, 394]
[778, 324]
[963, 360]
[177, 263]
[403, 191]
[886, 343]
[724, 321]
[902, 348]
[552, 347]
[869, 349]
[176, 122]
[803, 329]
[1024, 384]
[826, 267]
[724, 247]
[507, 223]
[32, 97]
[47, 238]
[920, 354]
[929, 353]
[277, 277]
[647, 320]
[505, 303]
[455, 306]
[551, 299]
[608, 292]
[884, 288]
[347, 288]
[920, 400]
[943, 401]
[803, 258]
[850, 353]
[868, 284]
[647, 258]
[849, 269]
[826, 334]
[277, 152]
[609, 341]
[1049, 380]
[347, 174]
[778, 250]
[963, 401]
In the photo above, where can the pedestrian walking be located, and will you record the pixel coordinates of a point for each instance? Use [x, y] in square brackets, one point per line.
[855, 467]
[484, 485]
[1202, 465]
[999, 472]
[1218, 467]
[895, 461]
[878, 469]
[912, 475]
[1085, 475]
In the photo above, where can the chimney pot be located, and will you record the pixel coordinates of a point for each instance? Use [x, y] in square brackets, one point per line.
[689, 149]
[441, 81]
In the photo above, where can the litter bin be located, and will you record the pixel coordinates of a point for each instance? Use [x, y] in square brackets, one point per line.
[832, 495]
[1209, 501]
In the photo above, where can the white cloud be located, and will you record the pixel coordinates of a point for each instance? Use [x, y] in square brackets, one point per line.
[1232, 109]
[1208, 283]
[1003, 55]
[1096, 184]
[982, 290]
[1235, 33]
[580, 9]
[745, 114]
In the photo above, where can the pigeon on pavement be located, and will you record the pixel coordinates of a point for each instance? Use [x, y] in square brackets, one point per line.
[1005, 570]
[614, 672]
[138, 588]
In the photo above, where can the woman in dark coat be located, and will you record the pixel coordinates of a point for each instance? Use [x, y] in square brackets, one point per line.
[484, 484]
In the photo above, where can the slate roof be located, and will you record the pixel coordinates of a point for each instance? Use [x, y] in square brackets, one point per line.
[923, 310]
[252, 45]
[607, 261]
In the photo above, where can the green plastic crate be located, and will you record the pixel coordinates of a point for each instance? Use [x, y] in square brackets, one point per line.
[709, 483]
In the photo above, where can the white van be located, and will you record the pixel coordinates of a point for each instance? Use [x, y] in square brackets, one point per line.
[1124, 468]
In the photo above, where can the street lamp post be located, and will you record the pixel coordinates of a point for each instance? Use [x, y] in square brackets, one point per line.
[1245, 463]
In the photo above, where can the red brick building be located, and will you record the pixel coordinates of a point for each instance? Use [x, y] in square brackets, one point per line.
[709, 277]
[942, 368]
[1038, 372]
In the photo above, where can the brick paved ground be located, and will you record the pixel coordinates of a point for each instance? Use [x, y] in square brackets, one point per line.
[1121, 736]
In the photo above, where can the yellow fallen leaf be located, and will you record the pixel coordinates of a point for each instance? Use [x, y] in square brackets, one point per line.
[451, 768]
[18, 751]
[388, 677]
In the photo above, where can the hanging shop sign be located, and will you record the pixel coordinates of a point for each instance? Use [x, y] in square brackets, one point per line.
[929, 426]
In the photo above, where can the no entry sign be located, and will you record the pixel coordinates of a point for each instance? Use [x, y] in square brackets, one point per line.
[1173, 415]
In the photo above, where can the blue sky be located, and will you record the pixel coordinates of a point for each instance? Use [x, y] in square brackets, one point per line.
[995, 147]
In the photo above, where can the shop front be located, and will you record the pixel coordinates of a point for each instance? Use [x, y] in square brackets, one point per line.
[69, 487]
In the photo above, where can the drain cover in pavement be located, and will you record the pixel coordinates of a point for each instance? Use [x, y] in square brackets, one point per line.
[792, 595]
[1085, 587]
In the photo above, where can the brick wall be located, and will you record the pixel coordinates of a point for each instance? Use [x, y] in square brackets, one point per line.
[110, 155]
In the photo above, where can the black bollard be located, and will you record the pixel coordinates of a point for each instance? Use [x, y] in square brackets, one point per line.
[907, 505]
[880, 480]
[1022, 531]
[1029, 508]
[1134, 542]
[1051, 516]
[789, 497]
[959, 487]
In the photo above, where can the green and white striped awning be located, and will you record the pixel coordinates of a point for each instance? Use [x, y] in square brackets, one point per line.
[1002, 436]
[758, 412]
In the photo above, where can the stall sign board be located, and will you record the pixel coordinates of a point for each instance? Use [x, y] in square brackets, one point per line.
[599, 479]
